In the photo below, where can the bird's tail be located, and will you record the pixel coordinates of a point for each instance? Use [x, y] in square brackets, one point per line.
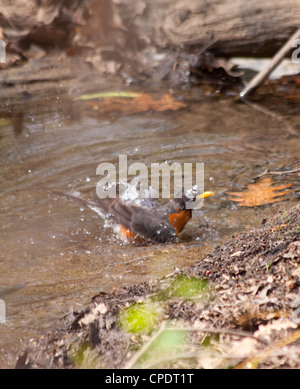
[77, 197]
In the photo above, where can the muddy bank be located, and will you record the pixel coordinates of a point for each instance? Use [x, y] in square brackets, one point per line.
[116, 30]
[139, 42]
[248, 318]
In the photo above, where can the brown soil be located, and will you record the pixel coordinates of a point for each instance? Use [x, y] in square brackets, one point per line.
[251, 320]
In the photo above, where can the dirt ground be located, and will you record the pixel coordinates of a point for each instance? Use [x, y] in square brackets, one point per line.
[249, 320]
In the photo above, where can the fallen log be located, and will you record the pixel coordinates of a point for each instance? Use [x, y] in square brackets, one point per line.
[229, 27]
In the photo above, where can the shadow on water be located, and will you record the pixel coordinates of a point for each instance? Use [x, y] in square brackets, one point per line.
[56, 253]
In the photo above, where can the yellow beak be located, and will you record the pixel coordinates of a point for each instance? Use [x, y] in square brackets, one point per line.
[205, 194]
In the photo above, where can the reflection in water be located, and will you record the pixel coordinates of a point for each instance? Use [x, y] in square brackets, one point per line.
[15, 113]
[56, 253]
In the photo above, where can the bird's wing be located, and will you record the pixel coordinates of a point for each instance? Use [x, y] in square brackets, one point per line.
[151, 223]
[152, 226]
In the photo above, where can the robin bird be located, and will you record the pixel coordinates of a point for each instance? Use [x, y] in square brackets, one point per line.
[144, 219]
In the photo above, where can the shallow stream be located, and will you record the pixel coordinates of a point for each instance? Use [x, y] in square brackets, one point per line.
[55, 254]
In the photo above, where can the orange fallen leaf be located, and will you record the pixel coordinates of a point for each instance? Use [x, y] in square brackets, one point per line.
[277, 227]
[262, 192]
[140, 102]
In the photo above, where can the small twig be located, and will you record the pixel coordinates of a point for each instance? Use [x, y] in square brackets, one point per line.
[286, 172]
[219, 331]
[261, 76]
[277, 173]
[137, 356]
[262, 174]
[265, 353]
[175, 271]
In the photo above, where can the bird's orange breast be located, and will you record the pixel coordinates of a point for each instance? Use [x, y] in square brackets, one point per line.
[125, 233]
[179, 219]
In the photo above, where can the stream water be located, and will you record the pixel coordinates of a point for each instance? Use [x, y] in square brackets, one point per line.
[55, 254]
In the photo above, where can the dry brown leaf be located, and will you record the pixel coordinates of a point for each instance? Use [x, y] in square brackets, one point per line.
[141, 103]
[262, 192]
[253, 361]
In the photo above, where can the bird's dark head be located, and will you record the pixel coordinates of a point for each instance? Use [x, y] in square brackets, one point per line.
[189, 196]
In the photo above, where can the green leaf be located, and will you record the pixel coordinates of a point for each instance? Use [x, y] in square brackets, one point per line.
[140, 317]
[103, 95]
[189, 288]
